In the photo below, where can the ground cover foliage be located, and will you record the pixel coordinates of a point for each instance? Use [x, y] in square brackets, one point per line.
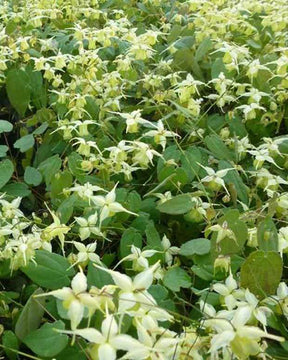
[143, 179]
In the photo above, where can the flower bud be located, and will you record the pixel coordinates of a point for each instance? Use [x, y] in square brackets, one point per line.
[222, 263]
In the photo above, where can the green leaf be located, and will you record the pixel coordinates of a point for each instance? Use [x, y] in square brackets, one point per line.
[18, 90]
[169, 176]
[183, 59]
[5, 126]
[267, 235]
[10, 341]
[153, 237]
[195, 246]
[25, 143]
[3, 150]
[32, 176]
[46, 341]
[180, 204]
[228, 246]
[261, 273]
[158, 292]
[72, 353]
[41, 129]
[74, 164]
[50, 271]
[186, 42]
[190, 162]
[203, 49]
[218, 67]
[5, 269]
[129, 237]
[218, 148]
[203, 272]
[38, 91]
[16, 189]
[175, 278]
[31, 315]
[236, 127]
[50, 167]
[65, 209]
[59, 181]
[97, 277]
[11, 26]
[233, 178]
[6, 171]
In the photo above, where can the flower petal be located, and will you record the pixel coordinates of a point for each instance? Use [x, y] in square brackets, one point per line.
[106, 352]
[79, 283]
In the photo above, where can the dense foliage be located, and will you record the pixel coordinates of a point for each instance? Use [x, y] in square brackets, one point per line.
[143, 179]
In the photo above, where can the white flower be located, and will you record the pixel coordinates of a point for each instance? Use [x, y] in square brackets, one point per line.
[262, 155]
[108, 341]
[160, 134]
[169, 250]
[73, 299]
[280, 299]
[84, 147]
[10, 209]
[85, 191]
[88, 226]
[244, 339]
[108, 205]
[139, 258]
[55, 229]
[152, 347]
[249, 111]
[214, 178]
[251, 306]
[226, 290]
[254, 67]
[86, 253]
[283, 240]
[133, 120]
[134, 291]
[223, 231]
[143, 154]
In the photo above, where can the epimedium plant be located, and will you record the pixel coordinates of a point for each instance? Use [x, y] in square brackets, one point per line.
[143, 179]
